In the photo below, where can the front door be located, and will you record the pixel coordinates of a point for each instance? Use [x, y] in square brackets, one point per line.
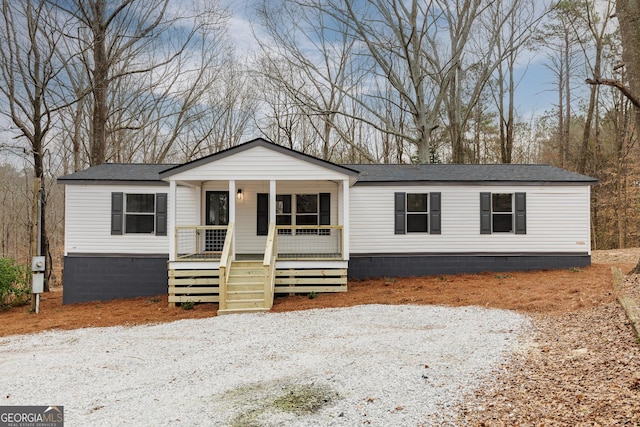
[217, 213]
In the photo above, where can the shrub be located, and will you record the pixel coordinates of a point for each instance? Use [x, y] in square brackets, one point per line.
[188, 305]
[14, 283]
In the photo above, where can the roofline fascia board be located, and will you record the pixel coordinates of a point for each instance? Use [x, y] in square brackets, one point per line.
[471, 183]
[154, 183]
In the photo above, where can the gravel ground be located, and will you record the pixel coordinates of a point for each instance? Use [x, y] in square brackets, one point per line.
[374, 364]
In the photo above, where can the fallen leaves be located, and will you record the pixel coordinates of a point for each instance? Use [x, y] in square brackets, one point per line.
[581, 370]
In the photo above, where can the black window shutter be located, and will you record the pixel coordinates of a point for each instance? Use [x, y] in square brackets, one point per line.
[263, 214]
[400, 213]
[434, 213]
[485, 213]
[325, 209]
[161, 214]
[325, 212]
[116, 213]
[521, 213]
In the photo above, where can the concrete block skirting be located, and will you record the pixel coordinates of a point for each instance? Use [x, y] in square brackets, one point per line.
[101, 278]
[404, 265]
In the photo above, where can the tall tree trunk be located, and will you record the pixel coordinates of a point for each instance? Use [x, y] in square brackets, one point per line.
[100, 83]
[628, 13]
[567, 100]
[561, 83]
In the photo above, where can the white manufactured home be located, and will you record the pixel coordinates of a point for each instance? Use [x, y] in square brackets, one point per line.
[258, 219]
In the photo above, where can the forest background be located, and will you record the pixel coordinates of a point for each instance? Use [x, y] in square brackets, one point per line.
[84, 82]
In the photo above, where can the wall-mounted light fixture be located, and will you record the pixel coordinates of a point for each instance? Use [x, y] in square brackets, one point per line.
[240, 195]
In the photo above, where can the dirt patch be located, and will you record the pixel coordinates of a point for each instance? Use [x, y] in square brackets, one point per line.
[555, 291]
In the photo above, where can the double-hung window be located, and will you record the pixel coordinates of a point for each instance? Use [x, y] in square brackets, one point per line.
[296, 210]
[307, 211]
[503, 213]
[417, 213]
[139, 213]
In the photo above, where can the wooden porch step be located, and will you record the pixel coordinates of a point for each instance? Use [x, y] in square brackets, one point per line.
[245, 280]
[255, 287]
[243, 310]
[250, 303]
[245, 295]
[246, 264]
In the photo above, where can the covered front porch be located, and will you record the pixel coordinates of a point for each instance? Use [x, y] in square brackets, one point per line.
[256, 220]
[255, 239]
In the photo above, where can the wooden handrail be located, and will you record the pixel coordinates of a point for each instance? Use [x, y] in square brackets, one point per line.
[271, 237]
[226, 248]
[269, 264]
[225, 267]
[309, 227]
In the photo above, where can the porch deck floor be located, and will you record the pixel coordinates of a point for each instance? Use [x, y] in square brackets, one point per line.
[215, 256]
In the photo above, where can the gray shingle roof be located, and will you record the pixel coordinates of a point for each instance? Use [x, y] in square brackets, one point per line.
[369, 174]
[466, 173]
[118, 172]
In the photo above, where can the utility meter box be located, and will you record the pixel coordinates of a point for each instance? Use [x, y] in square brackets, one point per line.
[37, 263]
[38, 283]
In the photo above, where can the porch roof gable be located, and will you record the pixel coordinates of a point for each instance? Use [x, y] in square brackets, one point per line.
[258, 142]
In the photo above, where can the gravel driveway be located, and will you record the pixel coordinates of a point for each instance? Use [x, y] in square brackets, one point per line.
[374, 364]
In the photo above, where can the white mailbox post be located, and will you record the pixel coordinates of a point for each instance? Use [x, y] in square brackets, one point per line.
[37, 286]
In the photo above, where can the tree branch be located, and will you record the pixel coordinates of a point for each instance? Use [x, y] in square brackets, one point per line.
[618, 84]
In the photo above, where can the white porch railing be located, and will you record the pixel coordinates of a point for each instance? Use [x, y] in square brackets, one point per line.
[200, 242]
[310, 242]
[301, 242]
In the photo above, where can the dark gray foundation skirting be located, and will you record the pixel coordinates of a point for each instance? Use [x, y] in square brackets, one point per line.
[404, 265]
[101, 278]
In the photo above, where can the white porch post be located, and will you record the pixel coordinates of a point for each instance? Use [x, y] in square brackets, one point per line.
[199, 215]
[272, 201]
[232, 213]
[172, 220]
[343, 216]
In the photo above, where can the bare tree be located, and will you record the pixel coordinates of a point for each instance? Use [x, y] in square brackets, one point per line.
[28, 69]
[521, 20]
[309, 57]
[121, 43]
[594, 18]
[561, 41]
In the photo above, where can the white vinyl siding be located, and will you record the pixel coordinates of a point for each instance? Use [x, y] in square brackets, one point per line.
[88, 220]
[557, 221]
[258, 163]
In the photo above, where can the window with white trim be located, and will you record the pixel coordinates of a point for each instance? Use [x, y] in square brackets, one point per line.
[139, 213]
[502, 212]
[417, 212]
